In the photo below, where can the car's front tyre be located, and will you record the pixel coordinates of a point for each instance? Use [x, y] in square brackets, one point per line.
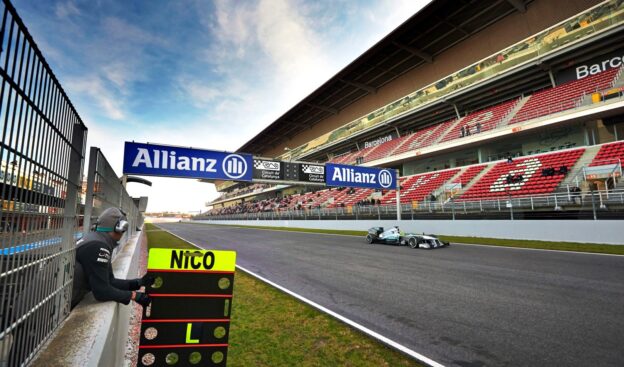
[413, 243]
[370, 239]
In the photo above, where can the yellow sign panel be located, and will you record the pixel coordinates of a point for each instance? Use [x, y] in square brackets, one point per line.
[191, 260]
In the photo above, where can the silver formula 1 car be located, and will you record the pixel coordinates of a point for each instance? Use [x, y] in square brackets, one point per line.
[393, 236]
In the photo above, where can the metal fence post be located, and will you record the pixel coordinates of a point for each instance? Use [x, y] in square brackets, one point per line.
[511, 208]
[591, 189]
[453, 207]
[65, 268]
[88, 209]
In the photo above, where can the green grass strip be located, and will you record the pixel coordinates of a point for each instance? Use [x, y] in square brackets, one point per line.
[271, 328]
[544, 245]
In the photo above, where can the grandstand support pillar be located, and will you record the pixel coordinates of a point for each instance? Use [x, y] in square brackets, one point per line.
[552, 78]
[398, 195]
[399, 134]
[456, 111]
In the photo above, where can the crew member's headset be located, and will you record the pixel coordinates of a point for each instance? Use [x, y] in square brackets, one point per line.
[120, 227]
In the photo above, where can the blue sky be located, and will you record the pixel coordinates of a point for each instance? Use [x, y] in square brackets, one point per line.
[207, 74]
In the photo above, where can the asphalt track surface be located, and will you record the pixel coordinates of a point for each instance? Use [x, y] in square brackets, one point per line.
[463, 305]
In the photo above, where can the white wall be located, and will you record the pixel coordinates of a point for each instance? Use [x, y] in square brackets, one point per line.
[584, 231]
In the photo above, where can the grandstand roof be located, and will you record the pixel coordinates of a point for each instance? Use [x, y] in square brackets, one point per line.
[438, 26]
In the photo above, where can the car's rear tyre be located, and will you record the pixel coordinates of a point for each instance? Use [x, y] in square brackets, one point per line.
[412, 243]
[370, 239]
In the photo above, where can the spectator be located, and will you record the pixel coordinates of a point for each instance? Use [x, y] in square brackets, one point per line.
[509, 178]
[467, 130]
[478, 126]
[432, 197]
[576, 195]
[509, 158]
[462, 132]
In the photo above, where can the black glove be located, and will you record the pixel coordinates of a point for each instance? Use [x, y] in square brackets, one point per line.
[147, 280]
[142, 298]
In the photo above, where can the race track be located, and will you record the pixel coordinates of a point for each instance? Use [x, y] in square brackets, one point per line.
[460, 306]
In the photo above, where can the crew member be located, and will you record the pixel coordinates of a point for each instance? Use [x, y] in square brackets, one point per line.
[93, 270]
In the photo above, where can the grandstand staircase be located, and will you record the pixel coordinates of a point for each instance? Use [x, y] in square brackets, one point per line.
[437, 192]
[584, 160]
[410, 141]
[510, 115]
[476, 178]
[448, 130]
[618, 81]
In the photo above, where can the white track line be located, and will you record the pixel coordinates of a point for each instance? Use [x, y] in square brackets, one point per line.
[540, 249]
[349, 322]
[454, 243]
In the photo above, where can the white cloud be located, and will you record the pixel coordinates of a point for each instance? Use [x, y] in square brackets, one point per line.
[199, 92]
[66, 9]
[92, 91]
[250, 63]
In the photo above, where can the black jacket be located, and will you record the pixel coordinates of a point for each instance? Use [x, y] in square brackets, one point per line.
[93, 271]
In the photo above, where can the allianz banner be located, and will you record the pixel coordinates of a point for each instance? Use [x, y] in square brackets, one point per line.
[169, 161]
[591, 67]
[357, 176]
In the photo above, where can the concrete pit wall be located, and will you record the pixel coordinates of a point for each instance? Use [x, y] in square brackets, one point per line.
[583, 231]
[96, 333]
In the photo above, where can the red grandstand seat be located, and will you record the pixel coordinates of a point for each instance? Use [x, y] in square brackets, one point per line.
[563, 97]
[611, 153]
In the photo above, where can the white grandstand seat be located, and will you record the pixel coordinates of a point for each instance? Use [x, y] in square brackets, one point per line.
[494, 183]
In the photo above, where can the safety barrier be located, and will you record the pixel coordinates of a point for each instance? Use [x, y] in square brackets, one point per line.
[582, 231]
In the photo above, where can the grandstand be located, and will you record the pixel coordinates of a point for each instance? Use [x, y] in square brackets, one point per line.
[479, 101]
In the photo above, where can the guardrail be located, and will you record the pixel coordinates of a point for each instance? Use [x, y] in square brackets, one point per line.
[600, 204]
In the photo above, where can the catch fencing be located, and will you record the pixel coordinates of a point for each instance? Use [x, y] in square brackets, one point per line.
[41, 154]
[105, 190]
[596, 205]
